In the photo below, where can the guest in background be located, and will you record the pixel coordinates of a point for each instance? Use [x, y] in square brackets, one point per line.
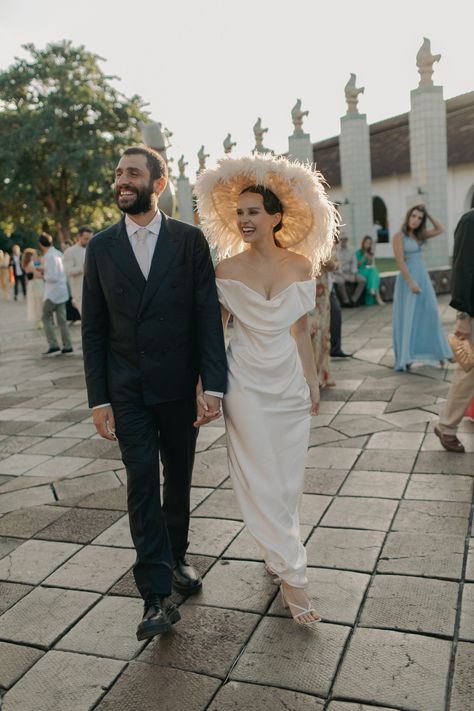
[320, 327]
[336, 325]
[461, 391]
[346, 273]
[335, 309]
[32, 264]
[18, 273]
[4, 274]
[366, 268]
[417, 331]
[74, 264]
[54, 297]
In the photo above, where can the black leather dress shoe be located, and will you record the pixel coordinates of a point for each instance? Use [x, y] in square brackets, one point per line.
[157, 618]
[341, 354]
[186, 579]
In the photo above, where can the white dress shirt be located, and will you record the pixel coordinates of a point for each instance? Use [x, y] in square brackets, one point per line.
[55, 282]
[153, 228]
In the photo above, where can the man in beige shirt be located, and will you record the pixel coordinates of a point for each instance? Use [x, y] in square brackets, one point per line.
[73, 261]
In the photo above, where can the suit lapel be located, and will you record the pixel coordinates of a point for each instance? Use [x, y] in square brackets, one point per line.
[123, 256]
[165, 252]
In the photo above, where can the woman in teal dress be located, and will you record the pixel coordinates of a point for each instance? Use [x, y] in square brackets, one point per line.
[366, 267]
[417, 331]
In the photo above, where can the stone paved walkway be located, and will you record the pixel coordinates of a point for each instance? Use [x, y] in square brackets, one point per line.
[386, 516]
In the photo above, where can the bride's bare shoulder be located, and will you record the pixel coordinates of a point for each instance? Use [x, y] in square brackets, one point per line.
[301, 266]
[230, 268]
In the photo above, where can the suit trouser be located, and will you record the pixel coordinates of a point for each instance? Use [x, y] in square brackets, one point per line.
[335, 326]
[159, 532]
[49, 308]
[459, 396]
[19, 279]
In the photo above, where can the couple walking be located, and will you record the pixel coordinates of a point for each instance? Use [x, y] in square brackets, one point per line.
[156, 367]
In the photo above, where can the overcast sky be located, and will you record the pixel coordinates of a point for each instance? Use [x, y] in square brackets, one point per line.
[208, 67]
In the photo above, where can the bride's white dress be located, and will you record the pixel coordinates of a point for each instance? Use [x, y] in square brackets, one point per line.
[267, 415]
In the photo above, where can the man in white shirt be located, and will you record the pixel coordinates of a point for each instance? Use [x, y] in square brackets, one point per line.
[54, 298]
[346, 272]
[73, 261]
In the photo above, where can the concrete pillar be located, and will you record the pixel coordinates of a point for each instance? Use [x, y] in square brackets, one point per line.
[300, 147]
[356, 177]
[185, 200]
[429, 154]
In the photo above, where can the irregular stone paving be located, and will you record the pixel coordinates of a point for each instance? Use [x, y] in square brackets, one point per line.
[385, 513]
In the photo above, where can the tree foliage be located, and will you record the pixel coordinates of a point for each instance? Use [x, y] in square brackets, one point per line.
[62, 126]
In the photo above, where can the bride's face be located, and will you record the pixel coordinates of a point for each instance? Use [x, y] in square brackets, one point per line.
[253, 221]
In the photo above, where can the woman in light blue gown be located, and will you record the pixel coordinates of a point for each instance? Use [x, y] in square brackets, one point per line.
[417, 331]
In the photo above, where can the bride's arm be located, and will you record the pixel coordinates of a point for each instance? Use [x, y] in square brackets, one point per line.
[300, 332]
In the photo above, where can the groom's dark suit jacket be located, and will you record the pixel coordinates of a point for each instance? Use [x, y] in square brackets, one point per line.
[146, 341]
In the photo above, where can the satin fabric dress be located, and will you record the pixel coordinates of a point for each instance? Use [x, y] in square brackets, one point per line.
[417, 331]
[267, 414]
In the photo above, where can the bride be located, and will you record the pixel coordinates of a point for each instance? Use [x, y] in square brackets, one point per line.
[272, 226]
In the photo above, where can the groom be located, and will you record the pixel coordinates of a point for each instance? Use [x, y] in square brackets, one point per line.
[150, 327]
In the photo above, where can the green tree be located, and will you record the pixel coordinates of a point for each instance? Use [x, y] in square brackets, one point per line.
[62, 126]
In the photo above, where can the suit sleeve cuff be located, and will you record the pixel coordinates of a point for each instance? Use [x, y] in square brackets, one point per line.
[105, 404]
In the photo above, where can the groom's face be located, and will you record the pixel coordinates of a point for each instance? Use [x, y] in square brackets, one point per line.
[134, 190]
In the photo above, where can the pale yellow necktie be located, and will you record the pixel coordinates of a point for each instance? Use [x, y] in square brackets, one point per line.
[141, 250]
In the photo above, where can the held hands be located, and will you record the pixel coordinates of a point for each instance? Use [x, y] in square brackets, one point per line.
[208, 408]
[103, 418]
[414, 288]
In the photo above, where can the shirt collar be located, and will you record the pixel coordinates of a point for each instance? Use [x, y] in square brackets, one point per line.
[153, 226]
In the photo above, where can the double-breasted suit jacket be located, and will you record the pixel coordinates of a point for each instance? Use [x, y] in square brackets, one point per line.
[146, 341]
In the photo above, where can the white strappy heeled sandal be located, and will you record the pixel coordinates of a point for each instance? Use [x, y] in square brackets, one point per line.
[304, 611]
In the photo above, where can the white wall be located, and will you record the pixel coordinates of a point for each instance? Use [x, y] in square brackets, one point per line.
[398, 193]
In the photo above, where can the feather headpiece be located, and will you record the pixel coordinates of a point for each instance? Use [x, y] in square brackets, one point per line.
[310, 219]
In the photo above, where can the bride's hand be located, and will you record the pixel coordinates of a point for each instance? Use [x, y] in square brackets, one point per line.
[314, 392]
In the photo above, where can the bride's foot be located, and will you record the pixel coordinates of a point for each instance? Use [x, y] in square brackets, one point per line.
[275, 578]
[297, 601]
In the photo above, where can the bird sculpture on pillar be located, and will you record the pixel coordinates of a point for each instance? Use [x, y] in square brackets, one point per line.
[425, 61]
[352, 92]
[258, 132]
[297, 117]
[182, 167]
[228, 144]
[202, 155]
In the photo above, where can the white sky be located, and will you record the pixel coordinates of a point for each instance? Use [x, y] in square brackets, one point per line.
[207, 67]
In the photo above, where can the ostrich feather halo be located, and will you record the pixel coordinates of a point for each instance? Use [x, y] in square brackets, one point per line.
[310, 219]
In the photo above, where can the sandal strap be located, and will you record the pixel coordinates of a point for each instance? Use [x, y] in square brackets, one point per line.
[305, 612]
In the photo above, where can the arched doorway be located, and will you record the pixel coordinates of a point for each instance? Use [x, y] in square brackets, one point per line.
[380, 220]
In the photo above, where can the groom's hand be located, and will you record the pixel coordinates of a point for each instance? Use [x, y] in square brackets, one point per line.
[208, 409]
[103, 418]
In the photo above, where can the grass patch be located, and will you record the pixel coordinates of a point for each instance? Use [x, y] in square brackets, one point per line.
[386, 264]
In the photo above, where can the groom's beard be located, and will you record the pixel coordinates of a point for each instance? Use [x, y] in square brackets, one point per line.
[142, 202]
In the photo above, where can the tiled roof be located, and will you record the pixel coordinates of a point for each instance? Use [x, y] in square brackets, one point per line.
[390, 144]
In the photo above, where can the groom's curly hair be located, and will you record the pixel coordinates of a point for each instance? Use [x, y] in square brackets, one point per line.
[156, 163]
